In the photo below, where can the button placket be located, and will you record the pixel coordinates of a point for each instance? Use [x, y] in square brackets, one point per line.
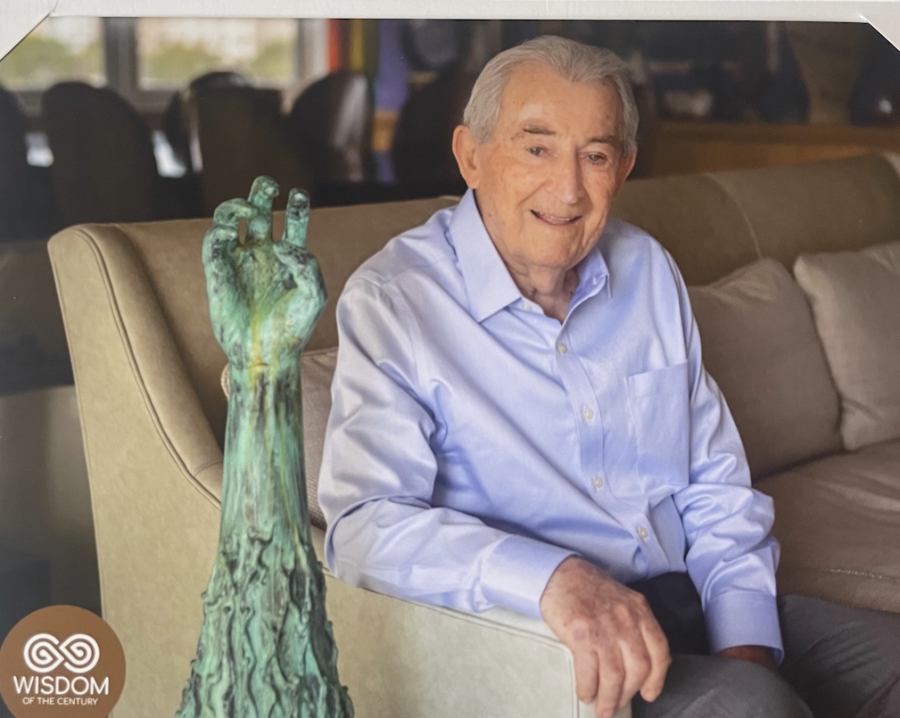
[590, 427]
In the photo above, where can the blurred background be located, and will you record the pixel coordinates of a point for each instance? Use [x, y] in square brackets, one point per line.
[128, 119]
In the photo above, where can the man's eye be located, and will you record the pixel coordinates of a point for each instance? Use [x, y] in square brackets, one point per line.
[536, 151]
[596, 158]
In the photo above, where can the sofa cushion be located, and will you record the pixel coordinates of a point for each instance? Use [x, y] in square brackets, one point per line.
[855, 298]
[838, 520]
[760, 345]
[316, 372]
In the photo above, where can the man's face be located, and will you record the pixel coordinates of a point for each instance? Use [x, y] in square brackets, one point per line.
[546, 178]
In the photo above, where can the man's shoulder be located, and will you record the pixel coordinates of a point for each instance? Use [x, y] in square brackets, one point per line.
[626, 246]
[418, 251]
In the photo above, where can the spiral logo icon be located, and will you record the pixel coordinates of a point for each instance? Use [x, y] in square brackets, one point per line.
[61, 661]
[44, 653]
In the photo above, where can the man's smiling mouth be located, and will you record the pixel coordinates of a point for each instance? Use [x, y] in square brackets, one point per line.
[554, 220]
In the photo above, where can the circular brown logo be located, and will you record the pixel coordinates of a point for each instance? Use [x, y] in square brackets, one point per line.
[61, 662]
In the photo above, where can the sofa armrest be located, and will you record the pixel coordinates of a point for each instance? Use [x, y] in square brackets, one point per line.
[403, 659]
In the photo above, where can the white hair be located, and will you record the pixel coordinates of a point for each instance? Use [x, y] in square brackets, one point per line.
[573, 61]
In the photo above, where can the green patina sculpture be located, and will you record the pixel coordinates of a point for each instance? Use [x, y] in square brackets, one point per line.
[266, 649]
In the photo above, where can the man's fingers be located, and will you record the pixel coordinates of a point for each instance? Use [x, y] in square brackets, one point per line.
[586, 675]
[296, 219]
[585, 607]
[660, 660]
[636, 659]
[612, 678]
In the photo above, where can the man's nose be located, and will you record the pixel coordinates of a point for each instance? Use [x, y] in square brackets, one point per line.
[567, 180]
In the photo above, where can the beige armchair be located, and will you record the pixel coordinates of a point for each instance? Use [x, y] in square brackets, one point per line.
[147, 372]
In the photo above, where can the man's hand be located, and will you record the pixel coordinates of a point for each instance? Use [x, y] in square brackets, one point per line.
[755, 654]
[618, 647]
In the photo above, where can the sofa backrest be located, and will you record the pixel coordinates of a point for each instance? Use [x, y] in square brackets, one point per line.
[715, 222]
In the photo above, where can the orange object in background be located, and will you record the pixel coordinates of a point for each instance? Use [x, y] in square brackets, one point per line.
[338, 41]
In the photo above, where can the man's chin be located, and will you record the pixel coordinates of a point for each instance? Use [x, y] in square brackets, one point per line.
[555, 258]
[557, 243]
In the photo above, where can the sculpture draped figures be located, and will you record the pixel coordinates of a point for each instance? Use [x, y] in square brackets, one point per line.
[266, 649]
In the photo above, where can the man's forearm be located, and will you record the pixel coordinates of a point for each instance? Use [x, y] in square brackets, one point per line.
[440, 556]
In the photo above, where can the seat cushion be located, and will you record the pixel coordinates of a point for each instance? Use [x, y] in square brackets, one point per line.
[838, 521]
[760, 345]
[855, 297]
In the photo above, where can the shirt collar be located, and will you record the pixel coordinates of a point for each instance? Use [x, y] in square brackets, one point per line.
[593, 275]
[489, 285]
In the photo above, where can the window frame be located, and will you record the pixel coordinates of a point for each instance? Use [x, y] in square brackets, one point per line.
[120, 58]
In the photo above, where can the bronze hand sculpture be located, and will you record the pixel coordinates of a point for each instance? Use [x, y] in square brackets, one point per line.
[266, 648]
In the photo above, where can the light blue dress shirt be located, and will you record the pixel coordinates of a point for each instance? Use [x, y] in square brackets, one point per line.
[474, 443]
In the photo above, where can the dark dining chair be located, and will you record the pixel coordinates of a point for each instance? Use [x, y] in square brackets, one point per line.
[104, 168]
[179, 118]
[421, 150]
[26, 196]
[241, 134]
[332, 122]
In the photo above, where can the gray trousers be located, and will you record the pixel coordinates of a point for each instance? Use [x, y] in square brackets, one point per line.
[839, 663]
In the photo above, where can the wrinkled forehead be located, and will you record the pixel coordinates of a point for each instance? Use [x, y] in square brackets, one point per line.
[536, 94]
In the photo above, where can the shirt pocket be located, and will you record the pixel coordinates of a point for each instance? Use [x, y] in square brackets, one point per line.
[660, 407]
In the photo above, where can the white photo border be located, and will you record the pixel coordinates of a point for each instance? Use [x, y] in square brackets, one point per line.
[21, 16]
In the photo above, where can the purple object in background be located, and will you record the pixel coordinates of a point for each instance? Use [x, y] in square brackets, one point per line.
[390, 83]
[391, 86]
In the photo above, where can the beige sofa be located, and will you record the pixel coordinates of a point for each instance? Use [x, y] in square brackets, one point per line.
[153, 415]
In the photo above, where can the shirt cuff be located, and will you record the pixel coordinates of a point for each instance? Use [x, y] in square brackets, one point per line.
[743, 618]
[516, 572]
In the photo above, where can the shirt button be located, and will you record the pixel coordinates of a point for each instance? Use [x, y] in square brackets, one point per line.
[587, 413]
[562, 348]
[643, 533]
[597, 482]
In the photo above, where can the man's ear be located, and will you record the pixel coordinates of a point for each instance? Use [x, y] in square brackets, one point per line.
[624, 170]
[465, 150]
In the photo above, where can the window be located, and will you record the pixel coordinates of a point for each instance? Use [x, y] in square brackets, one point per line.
[173, 51]
[60, 48]
[146, 59]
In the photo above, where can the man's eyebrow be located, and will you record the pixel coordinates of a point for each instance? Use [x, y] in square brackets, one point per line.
[610, 139]
[538, 130]
[606, 140]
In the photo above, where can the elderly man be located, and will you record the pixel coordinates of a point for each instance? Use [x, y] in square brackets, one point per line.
[522, 418]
